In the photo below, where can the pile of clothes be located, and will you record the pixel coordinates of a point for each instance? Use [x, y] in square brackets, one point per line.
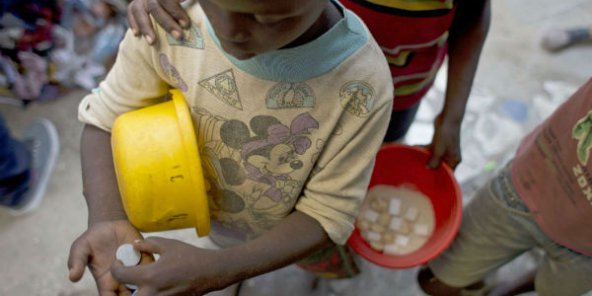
[47, 46]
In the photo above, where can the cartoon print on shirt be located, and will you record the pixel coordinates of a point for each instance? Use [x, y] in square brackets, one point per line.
[192, 37]
[272, 155]
[218, 163]
[357, 97]
[223, 87]
[172, 74]
[320, 146]
[285, 95]
[253, 169]
[582, 131]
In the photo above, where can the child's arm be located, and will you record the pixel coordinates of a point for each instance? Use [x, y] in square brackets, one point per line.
[183, 268]
[108, 226]
[132, 83]
[467, 35]
[98, 177]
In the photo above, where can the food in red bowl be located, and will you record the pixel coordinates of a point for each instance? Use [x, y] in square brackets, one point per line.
[412, 213]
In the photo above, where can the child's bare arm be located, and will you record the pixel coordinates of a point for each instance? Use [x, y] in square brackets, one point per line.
[98, 176]
[296, 237]
[467, 36]
[185, 268]
[108, 226]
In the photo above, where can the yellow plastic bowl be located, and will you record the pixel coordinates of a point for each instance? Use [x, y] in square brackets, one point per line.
[158, 168]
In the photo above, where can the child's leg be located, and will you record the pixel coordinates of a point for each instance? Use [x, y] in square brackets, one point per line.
[400, 123]
[563, 272]
[496, 228]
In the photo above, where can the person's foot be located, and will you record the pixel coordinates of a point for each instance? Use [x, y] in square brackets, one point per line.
[41, 139]
[556, 40]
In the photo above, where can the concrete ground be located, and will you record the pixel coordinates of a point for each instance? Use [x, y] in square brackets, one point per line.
[34, 247]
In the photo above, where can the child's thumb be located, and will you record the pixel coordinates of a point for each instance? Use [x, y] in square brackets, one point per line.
[75, 273]
[434, 161]
[77, 261]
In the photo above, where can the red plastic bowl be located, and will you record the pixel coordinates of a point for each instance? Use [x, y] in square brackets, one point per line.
[397, 165]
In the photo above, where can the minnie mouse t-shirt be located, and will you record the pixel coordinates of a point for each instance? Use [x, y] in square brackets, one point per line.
[292, 129]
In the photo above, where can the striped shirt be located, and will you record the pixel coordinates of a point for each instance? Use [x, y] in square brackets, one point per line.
[413, 35]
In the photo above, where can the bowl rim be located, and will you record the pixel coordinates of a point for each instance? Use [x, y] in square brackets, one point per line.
[187, 133]
[361, 247]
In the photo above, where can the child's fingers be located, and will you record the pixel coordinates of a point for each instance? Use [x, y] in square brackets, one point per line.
[163, 16]
[176, 11]
[146, 257]
[452, 160]
[140, 15]
[125, 275]
[436, 158]
[124, 291]
[77, 260]
[152, 245]
[132, 21]
[434, 162]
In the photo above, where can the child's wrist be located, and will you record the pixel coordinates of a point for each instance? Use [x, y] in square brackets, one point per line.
[106, 217]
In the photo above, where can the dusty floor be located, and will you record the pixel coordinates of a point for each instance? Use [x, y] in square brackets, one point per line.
[34, 247]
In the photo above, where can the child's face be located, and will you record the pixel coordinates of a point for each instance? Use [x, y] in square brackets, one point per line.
[247, 28]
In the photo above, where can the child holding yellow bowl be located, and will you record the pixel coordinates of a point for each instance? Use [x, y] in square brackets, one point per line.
[290, 101]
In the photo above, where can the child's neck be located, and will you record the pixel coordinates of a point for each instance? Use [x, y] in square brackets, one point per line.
[328, 18]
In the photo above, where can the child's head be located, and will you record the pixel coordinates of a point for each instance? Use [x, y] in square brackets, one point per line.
[247, 28]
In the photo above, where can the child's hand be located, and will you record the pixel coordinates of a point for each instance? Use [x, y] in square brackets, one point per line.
[181, 269]
[445, 146]
[168, 13]
[96, 248]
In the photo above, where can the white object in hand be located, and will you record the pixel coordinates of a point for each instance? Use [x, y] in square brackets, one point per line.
[129, 256]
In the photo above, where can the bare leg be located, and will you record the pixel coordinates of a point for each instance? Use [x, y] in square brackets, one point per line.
[556, 40]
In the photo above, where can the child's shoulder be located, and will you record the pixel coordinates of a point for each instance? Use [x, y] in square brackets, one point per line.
[194, 37]
[196, 15]
[367, 60]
